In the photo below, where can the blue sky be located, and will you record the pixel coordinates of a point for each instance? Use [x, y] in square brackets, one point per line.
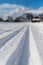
[28, 3]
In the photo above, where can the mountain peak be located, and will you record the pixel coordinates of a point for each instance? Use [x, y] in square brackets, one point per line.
[17, 10]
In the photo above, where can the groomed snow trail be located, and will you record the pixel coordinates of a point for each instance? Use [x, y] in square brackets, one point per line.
[19, 44]
[8, 36]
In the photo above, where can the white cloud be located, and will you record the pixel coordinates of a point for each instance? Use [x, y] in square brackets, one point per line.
[9, 9]
[6, 8]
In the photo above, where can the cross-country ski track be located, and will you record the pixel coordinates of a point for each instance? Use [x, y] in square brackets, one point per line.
[20, 44]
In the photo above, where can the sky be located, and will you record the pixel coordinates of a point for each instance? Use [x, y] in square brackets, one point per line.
[27, 3]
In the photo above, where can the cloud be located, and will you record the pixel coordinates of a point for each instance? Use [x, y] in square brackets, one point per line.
[10, 9]
[7, 6]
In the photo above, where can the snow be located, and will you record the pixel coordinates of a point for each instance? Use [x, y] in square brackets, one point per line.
[21, 43]
[34, 51]
[38, 37]
[8, 36]
[11, 47]
[16, 10]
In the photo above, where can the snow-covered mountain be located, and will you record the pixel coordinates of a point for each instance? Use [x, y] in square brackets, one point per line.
[11, 10]
[17, 10]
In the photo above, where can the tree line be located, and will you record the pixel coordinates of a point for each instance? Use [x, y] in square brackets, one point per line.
[23, 18]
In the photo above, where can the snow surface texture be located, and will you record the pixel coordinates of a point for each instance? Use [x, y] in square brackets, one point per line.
[21, 44]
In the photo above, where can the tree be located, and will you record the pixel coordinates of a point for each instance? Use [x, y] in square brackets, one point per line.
[1, 19]
[10, 19]
[29, 16]
[17, 20]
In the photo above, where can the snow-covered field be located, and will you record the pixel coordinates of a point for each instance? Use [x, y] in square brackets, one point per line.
[21, 43]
